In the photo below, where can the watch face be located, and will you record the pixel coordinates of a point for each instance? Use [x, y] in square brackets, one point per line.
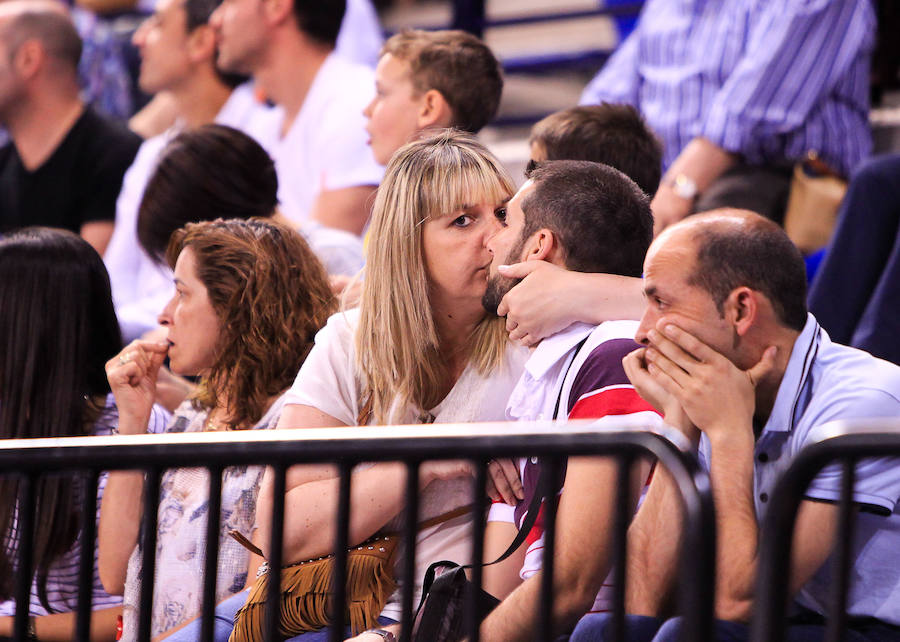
[684, 186]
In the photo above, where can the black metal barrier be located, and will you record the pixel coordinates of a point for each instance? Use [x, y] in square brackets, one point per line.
[847, 442]
[346, 447]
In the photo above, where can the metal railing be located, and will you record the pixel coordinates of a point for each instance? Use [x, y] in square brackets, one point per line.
[347, 447]
[847, 443]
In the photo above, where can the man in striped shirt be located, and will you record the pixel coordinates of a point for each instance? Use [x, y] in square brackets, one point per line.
[739, 94]
[587, 217]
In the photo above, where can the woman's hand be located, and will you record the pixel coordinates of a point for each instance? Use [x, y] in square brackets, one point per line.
[444, 469]
[540, 304]
[132, 378]
[503, 482]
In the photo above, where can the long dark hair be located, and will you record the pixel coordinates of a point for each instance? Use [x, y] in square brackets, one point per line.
[57, 330]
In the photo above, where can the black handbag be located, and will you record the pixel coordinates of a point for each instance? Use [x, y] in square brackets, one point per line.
[442, 612]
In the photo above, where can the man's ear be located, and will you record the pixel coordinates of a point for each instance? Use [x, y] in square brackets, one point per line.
[29, 59]
[542, 246]
[277, 11]
[202, 44]
[434, 110]
[742, 309]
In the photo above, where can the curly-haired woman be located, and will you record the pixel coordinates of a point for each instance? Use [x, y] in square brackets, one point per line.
[250, 297]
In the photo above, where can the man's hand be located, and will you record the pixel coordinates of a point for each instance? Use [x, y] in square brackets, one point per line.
[715, 394]
[504, 484]
[643, 376]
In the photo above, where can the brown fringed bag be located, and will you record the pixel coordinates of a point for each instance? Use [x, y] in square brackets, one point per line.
[306, 587]
[306, 591]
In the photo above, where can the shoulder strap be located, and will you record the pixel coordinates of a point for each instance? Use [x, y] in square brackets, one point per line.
[527, 524]
[565, 376]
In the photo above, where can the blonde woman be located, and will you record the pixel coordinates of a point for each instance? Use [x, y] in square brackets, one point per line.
[419, 349]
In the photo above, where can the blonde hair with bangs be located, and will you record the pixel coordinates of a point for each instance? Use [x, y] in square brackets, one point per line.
[397, 347]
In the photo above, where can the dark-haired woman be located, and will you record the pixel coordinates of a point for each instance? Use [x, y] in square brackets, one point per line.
[57, 329]
[213, 171]
[250, 297]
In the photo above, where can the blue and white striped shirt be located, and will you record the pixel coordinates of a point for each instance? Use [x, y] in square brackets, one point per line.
[767, 79]
[62, 576]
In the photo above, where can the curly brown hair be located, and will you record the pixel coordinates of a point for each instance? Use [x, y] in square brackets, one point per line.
[270, 294]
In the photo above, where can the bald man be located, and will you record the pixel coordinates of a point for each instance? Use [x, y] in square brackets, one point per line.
[734, 360]
[64, 164]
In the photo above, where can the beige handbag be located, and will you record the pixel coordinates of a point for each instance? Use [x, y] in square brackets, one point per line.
[816, 195]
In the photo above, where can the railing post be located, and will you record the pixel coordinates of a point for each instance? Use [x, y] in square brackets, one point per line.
[410, 533]
[211, 560]
[276, 542]
[86, 556]
[550, 470]
[478, 522]
[837, 615]
[148, 560]
[341, 544]
[620, 543]
[25, 528]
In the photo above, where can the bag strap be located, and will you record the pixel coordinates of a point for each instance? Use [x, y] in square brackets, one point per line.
[530, 516]
[527, 524]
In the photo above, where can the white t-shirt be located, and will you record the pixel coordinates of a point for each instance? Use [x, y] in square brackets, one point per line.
[361, 37]
[329, 381]
[326, 147]
[141, 287]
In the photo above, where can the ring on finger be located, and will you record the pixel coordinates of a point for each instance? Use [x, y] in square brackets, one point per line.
[125, 358]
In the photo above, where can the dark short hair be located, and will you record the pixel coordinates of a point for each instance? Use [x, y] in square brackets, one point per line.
[53, 29]
[320, 19]
[458, 65]
[57, 330]
[613, 134]
[205, 173]
[758, 255]
[600, 217]
[198, 13]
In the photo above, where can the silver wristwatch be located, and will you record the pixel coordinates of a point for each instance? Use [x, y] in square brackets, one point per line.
[387, 636]
[684, 187]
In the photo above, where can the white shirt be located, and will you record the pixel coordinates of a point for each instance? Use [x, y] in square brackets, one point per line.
[326, 147]
[329, 382]
[140, 286]
[604, 394]
[361, 37]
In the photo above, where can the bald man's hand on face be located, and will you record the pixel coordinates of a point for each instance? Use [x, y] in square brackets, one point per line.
[716, 395]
